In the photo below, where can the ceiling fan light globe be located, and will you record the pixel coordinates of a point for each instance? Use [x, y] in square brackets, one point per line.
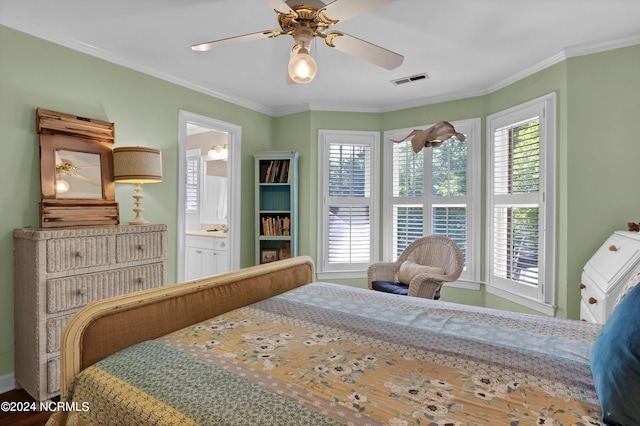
[302, 67]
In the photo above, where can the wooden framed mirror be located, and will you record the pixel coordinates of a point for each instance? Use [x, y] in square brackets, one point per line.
[76, 171]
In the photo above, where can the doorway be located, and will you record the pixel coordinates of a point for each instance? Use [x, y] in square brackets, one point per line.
[223, 133]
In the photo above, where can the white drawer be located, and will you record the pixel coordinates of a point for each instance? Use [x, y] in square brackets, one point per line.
[67, 254]
[53, 375]
[78, 290]
[593, 297]
[586, 314]
[197, 241]
[140, 246]
[54, 332]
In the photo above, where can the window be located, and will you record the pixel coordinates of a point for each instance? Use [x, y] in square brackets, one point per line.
[348, 202]
[434, 192]
[521, 213]
[192, 181]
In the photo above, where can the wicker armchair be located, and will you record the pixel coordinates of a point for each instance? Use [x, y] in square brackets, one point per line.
[421, 270]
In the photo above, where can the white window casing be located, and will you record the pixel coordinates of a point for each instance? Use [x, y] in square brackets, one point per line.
[348, 182]
[436, 191]
[521, 169]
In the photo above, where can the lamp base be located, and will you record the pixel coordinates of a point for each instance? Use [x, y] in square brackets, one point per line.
[138, 209]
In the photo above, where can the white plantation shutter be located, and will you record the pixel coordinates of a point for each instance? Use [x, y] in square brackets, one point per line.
[192, 183]
[408, 187]
[450, 196]
[407, 226]
[520, 209]
[516, 183]
[348, 202]
[347, 219]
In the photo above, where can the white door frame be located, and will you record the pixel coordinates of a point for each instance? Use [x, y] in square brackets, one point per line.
[235, 149]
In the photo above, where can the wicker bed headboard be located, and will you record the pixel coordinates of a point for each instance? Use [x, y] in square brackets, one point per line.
[106, 326]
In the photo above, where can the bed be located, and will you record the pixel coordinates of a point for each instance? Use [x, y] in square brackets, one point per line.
[268, 345]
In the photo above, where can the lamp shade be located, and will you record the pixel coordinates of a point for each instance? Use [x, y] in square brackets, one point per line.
[136, 164]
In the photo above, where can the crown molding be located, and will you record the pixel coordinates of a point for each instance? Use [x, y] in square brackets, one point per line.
[55, 37]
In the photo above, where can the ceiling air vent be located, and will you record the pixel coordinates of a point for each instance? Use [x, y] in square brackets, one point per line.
[410, 79]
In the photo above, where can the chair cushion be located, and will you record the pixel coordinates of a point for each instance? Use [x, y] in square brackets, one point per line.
[390, 287]
[408, 270]
[615, 363]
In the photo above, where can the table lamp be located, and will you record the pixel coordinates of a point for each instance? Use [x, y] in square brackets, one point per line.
[137, 165]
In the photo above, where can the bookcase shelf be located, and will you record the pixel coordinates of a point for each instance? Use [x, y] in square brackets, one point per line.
[276, 201]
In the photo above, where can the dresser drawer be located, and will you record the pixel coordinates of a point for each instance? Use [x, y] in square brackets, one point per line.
[586, 314]
[76, 291]
[53, 375]
[140, 246]
[54, 332]
[67, 254]
[593, 298]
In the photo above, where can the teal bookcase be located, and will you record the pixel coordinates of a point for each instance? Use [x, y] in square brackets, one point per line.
[276, 201]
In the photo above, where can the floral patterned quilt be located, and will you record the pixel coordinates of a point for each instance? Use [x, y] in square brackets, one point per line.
[326, 354]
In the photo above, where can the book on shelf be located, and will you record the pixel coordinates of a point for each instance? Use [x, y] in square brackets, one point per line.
[277, 172]
[276, 226]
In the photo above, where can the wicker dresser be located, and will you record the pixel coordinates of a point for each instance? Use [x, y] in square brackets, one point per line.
[57, 271]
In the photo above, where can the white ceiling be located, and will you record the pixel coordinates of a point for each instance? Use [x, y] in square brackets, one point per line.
[467, 47]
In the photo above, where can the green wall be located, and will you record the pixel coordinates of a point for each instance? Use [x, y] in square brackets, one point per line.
[598, 148]
[35, 73]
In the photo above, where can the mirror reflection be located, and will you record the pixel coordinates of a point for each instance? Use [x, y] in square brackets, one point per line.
[78, 175]
[207, 179]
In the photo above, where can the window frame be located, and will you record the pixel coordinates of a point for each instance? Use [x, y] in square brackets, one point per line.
[470, 278]
[543, 298]
[193, 155]
[347, 137]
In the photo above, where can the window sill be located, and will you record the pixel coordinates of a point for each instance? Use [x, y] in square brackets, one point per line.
[527, 302]
[466, 285]
[341, 274]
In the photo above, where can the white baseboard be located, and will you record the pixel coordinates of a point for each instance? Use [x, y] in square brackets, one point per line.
[7, 383]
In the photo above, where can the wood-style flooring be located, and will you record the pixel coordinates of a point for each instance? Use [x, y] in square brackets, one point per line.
[24, 418]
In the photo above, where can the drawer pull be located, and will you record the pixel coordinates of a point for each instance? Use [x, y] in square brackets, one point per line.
[79, 255]
[81, 291]
[222, 244]
[592, 301]
[140, 281]
[612, 247]
[582, 286]
[140, 247]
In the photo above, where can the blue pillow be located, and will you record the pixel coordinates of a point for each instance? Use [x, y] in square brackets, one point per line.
[615, 363]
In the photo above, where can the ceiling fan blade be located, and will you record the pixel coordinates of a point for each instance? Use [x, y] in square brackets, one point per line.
[364, 50]
[341, 10]
[84, 179]
[278, 5]
[203, 47]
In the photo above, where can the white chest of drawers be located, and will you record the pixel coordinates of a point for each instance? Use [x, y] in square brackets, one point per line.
[57, 271]
[605, 274]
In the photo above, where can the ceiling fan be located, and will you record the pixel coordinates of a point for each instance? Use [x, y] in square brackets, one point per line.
[65, 168]
[306, 19]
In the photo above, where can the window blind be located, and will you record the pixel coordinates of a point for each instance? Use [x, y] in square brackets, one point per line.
[192, 181]
[348, 203]
[516, 185]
